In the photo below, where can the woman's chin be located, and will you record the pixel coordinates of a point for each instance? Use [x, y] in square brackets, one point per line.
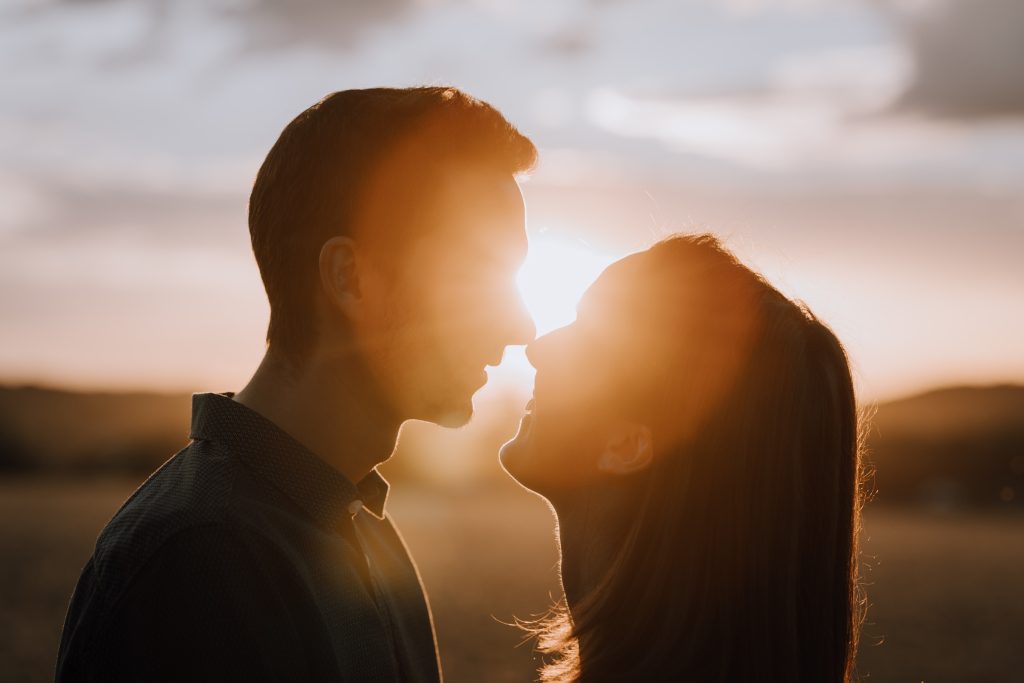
[529, 459]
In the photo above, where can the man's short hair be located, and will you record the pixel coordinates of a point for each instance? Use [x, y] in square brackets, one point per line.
[311, 185]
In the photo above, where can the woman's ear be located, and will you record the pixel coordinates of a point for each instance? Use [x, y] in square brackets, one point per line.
[629, 449]
[339, 274]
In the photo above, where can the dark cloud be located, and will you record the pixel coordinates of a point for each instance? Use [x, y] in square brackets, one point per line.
[263, 25]
[571, 42]
[969, 59]
[117, 210]
[330, 24]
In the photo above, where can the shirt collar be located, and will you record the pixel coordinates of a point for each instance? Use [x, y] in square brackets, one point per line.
[318, 489]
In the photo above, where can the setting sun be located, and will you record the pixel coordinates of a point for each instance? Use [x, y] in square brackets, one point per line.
[556, 274]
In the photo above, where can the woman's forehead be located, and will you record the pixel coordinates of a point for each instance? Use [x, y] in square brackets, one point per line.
[619, 285]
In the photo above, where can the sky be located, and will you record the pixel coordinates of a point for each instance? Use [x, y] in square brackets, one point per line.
[866, 155]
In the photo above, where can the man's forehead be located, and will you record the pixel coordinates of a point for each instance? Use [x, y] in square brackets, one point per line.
[479, 184]
[482, 207]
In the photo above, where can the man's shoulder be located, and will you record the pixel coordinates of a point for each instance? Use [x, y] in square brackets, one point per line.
[194, 492]
[176, 581]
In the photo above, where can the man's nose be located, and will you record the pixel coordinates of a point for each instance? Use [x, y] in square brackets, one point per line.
[524, 330]
[540, 347]
[519, 329]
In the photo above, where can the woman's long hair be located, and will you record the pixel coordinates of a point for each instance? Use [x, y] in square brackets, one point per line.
[741, 561]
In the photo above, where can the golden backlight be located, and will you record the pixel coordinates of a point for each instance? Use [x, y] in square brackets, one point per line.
[557, 271]
[556, 274]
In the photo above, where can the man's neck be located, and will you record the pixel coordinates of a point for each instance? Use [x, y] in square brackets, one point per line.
[328, 405]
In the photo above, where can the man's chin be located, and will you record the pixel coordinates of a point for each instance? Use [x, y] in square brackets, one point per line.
[452, 416]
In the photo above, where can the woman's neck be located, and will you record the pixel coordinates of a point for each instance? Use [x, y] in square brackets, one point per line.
[592, 526]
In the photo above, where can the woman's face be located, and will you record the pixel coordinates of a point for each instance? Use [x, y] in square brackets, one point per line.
[583, 371]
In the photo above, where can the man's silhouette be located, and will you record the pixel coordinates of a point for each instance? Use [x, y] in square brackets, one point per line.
[387, 225]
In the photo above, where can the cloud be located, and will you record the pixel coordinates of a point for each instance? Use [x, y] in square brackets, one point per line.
[805, 129]
[261, 25]
[800, 114]
[571, 42]
[969, 56]
[55, 212]
[272, 24]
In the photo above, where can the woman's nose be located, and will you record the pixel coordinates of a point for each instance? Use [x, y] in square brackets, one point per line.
[540, 348]
[532, 351]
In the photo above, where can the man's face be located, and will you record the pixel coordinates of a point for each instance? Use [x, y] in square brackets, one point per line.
[446, 303]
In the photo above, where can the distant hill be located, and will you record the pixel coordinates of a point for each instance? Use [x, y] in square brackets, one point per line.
[957, 445]
[72, 432]
[951, 446]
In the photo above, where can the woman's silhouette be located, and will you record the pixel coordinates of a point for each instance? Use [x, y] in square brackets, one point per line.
[696, 434]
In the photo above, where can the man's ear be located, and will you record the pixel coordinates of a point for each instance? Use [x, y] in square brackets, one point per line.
[629, 449]
[339, 272]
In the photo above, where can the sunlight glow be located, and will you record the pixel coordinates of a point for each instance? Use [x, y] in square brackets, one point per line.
[556, 274]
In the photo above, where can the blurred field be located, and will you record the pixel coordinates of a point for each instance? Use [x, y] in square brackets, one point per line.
[947, 592]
